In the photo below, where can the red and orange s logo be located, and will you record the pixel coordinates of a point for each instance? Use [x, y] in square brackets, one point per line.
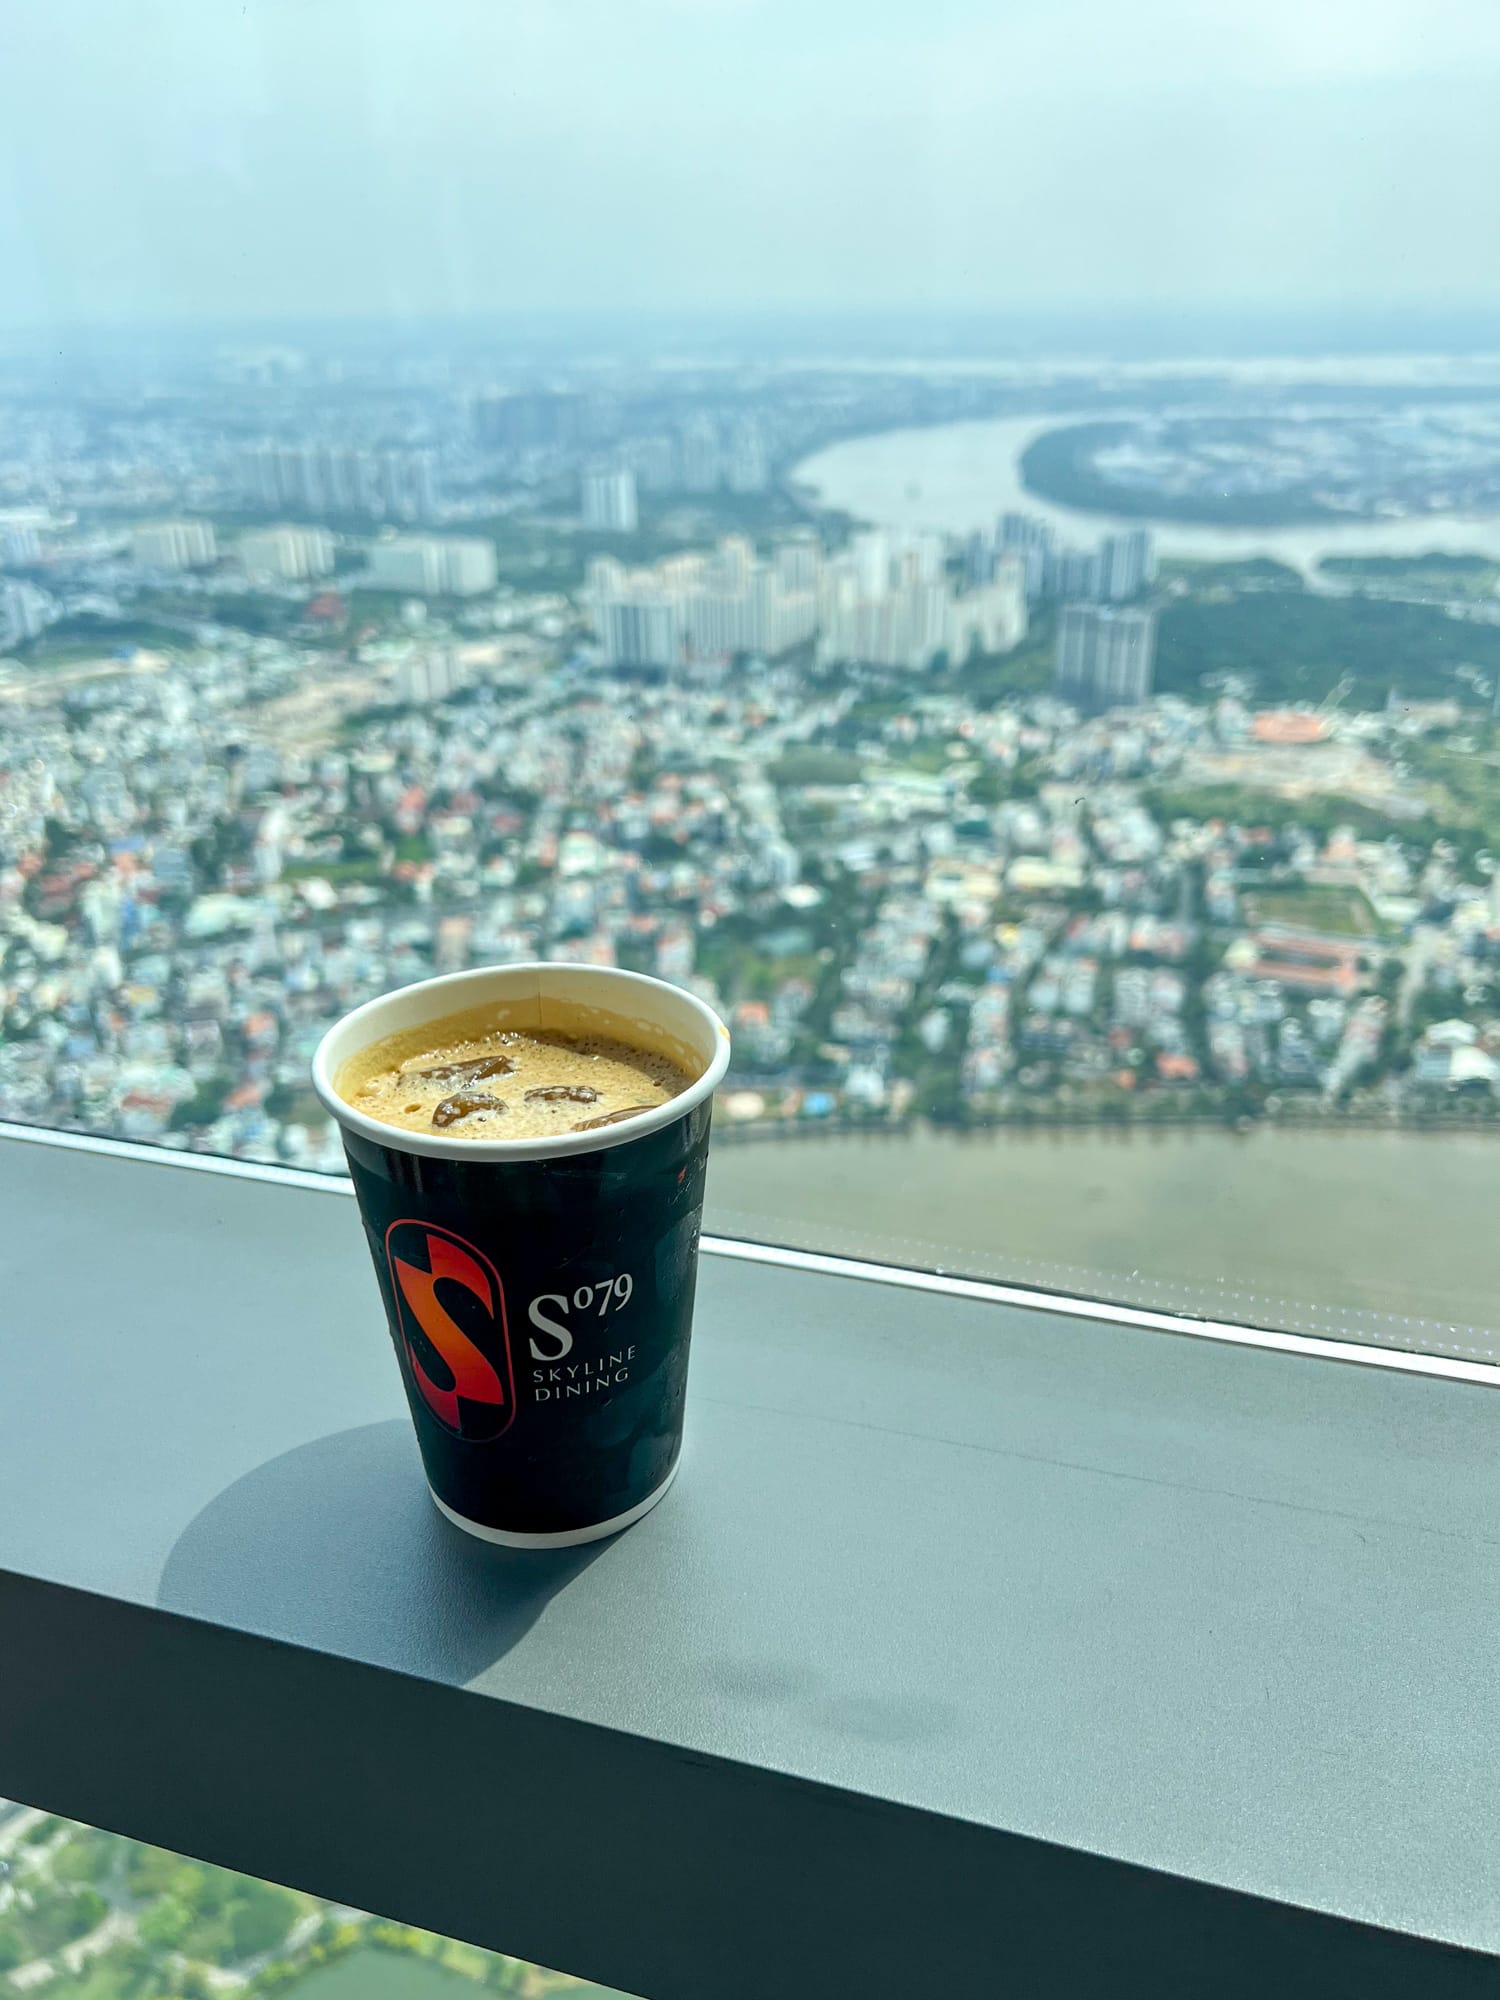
[478, 1401]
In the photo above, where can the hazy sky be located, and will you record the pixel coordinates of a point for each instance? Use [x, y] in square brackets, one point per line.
[178, 159]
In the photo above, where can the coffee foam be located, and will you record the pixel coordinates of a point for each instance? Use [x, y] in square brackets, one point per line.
[616, 1065]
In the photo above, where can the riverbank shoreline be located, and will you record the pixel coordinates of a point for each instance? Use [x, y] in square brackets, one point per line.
[957, 476]
[1481, 1124]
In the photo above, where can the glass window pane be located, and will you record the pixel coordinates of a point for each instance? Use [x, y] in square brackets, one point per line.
[975, 543]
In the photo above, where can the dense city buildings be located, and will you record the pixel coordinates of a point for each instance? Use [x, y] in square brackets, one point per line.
[884, 603]
[323, 482]
[891, 602]
[1118, 568]
[974, 827]
[702, 608]
[528, 420]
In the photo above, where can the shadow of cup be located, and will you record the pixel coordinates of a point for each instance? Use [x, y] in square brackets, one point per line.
[337, 1545]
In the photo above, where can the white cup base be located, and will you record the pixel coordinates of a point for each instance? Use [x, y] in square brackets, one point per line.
[567, 1538]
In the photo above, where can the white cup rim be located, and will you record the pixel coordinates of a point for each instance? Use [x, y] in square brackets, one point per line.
[361, 1026]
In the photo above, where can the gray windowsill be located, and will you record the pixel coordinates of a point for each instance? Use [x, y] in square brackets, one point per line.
[1017, 1649]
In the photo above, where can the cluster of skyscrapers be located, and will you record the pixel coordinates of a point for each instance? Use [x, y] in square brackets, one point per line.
[1105, 648]
[535, 420]
[330, 481]
[694, 608]
[701, 454]
[1120, 567]
[887, 601]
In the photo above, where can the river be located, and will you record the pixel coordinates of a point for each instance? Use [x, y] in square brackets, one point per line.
[1384, 1236]
[1377, 1236]
[957, 477]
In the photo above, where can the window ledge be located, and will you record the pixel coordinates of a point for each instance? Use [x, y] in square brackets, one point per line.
[1039, 1654]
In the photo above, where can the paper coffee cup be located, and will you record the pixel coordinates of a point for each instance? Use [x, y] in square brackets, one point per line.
[539, 1292]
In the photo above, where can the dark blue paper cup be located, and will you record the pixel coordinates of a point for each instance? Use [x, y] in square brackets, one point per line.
[539, 1292]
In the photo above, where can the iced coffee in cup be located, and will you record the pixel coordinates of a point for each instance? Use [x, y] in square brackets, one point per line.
[528, 1147]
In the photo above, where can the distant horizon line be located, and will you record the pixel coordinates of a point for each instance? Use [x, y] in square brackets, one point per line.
[1185, 331]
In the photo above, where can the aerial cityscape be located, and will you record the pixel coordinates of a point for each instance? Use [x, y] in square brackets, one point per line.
[325, 670]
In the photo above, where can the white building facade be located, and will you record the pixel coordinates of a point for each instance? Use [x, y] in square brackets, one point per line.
[433, 565]
[1105, 658]
[698, 608]
[286, 553]
[609, 500]
[173, 545]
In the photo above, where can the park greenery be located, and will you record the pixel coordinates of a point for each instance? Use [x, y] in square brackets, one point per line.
[1293, 646]
[84, 638]
[1243, 806]
[1328, 908]
[1250, 573]
[54, 1916]
[1430, 574]
[1456, 771]
[810, 765]
[210, 1914]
